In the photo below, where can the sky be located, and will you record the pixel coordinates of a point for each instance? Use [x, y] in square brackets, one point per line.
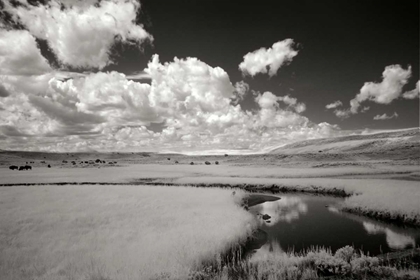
[203, 76]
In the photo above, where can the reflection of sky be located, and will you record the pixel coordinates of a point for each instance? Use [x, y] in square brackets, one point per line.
[286, 209]
[394, 240]
[268, 252]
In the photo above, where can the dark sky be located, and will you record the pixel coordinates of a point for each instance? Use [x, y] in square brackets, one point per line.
[342, 45]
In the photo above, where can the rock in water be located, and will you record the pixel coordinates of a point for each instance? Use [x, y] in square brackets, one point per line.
[266, 217]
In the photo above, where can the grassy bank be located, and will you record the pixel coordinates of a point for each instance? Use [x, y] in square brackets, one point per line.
[270, 262]
[116, 232]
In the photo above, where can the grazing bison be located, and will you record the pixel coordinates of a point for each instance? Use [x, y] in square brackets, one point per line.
[176, 162]
[49, 166]
[207, 163]
[192, 163]
[226, 155]
[25, 167]
[217, 163]
[98, 161]
[13, 167]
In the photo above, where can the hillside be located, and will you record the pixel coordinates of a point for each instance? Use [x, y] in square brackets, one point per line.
[401, 143]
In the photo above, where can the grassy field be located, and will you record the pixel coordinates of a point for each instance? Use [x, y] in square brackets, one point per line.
[115, 232]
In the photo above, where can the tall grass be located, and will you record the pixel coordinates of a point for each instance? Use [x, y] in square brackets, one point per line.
[115, 232]
[271, 263]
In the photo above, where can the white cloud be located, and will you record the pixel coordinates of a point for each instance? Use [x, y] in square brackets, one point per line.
[241, 89]
[385, 117]
[342, 114]
[20, 55]
[334, 105]
[412, 94]
[62, 111]
[394, 78]
[365, 109]
[268, 60]
[82, 35]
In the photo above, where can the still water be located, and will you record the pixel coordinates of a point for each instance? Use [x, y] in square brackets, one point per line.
[299, 222]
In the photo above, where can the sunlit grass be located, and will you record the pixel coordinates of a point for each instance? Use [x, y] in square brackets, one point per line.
[271, 263]
[115, 232]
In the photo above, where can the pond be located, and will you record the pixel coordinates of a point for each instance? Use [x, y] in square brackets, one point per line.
[300, 222]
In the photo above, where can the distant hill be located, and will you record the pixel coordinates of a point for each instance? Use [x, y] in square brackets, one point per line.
[400, 143]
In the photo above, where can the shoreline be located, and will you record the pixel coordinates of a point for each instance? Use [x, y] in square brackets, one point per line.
[385, 216]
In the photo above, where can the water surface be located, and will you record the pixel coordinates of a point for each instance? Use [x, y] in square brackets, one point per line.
[299, 222]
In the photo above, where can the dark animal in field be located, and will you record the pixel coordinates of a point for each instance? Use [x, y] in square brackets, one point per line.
[25, 167]
[110, 163]
[192, 163]
[98, 161]
[207, 163]
[49, 166]
[86, 161]
[64, 161]
[226, 155]
[169, 158]
[217, 163]
[176, 162]
[13, 167]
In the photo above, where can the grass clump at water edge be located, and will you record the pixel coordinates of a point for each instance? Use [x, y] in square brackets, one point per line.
[315, 263]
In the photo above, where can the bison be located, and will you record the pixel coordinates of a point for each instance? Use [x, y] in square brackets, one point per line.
[217, 163]
[25, 167]
[13, 167]
[207, 163]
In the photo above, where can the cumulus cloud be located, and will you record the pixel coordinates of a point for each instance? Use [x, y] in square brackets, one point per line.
[365, 109]
[385, 117]
[268, 60]
[412, 94]
[20, 55]
[390, 88]
[61, 111]
[241, 89]
[334, 105]
[81, 34]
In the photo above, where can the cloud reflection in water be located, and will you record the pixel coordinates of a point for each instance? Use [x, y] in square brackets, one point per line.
[393, 239]
[286, 209]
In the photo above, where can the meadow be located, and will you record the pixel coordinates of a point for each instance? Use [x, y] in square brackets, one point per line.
[116, 232]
